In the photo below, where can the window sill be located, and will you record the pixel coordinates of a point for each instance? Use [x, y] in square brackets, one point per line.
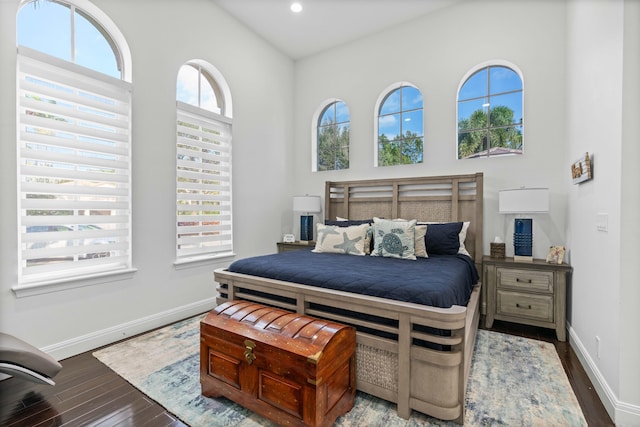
[47, 286]
[197, 261]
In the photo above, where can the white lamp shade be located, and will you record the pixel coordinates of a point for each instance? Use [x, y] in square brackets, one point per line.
[523, 200]
[310, 204]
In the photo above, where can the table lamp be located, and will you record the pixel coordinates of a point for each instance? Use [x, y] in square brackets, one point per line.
[308, 205]
[523, 201]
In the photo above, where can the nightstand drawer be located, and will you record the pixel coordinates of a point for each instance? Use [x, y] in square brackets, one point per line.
[530, 306]
[529, 280]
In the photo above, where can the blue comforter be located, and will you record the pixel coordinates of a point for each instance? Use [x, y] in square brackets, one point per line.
[439, 281]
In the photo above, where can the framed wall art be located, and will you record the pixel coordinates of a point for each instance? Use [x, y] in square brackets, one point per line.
[581, 169]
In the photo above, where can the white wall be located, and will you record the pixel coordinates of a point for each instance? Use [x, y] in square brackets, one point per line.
[602, 113]
[593, 125]
[162, 35]
[629, 410]
[434, 53]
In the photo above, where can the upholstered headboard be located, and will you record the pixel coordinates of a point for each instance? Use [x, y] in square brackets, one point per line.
[436, 198]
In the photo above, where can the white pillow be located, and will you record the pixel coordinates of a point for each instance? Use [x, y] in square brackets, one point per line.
[420, 242]
[463, 235]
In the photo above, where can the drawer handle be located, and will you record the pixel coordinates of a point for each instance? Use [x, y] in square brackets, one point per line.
[528, 306]
[519, 280]
[248, 351]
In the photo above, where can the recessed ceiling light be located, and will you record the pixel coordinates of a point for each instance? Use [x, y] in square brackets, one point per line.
[296, 7]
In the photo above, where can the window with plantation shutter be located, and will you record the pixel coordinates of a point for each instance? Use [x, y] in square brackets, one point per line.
[204, 226]
[74, 142]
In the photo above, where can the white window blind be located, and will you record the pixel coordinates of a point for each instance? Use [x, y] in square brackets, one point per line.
[74, 170]
[203, 211]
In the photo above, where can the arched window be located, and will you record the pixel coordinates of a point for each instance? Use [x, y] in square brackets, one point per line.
[331, 142]
[490, 111]
[76, 32]
[199, 88]
[399, 126]
[203, 164]
[74, 143]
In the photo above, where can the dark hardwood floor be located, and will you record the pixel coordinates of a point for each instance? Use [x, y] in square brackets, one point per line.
[89, 393]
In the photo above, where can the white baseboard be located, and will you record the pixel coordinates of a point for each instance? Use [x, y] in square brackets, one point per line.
[623, 414]
[96, 339]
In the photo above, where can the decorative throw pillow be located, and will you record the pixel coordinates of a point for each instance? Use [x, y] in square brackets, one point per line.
[462, 236]
[341, 240]
[420, 246]
[420, 243]
[343, 222]
[443, 239]
[368, 241]
[394, 238]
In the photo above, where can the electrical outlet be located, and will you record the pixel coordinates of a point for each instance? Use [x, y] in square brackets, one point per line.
[598, 347]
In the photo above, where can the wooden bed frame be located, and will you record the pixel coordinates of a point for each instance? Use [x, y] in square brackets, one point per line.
[393, 367]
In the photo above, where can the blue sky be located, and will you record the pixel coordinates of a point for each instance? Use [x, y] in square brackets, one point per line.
[46, 27]
[489, 88]
[187, 89]
[336, 112]
[400, 112]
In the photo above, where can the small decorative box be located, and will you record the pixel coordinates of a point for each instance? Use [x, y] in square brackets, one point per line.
[497, 250]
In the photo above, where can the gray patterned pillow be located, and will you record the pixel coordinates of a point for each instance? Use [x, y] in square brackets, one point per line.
[394, 238]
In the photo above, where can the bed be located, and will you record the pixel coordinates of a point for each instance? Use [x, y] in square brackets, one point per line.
[415, 355]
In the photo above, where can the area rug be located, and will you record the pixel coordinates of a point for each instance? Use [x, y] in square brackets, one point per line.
[514, 381]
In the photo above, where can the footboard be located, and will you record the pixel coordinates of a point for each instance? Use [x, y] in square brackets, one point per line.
[415, 356]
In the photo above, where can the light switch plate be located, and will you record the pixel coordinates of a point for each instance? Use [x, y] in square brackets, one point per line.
[602, 222]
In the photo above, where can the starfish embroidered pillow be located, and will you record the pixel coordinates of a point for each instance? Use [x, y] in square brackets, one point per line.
[341, 240]
[394, 238]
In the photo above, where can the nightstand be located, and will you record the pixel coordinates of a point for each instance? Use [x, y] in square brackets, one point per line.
[532, 293]
[295, 246]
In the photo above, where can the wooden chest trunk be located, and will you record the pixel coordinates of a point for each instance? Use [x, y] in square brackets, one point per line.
[293, 369]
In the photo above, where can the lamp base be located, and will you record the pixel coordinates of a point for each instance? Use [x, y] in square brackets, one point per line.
[523, 240]
[306, 227]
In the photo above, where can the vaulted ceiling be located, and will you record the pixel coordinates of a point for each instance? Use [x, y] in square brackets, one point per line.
[323, 24]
